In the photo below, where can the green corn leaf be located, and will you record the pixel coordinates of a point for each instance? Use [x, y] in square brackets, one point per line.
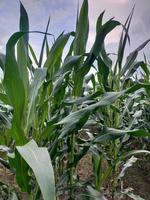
[77, 119]
[12, 77]
[134, 132]
[108, 137]
[14, 87]
[82, 30]
[131, 153]
[4, 98]
[43, 44]
[103, 71]
[2, 61]
[39, 76]
[47, 47]
[146, 69]
[70, 51]
[105, 57]
[33, 55]
[102, 31]
[131, 99]
[133, 68]
[59, 84]
[55, 54]
[99, 21]
[123, 39]
[21, 170]
[81, 100]
[68, 64]
[22, 48]
[39, 161]
[132, 56]
[137, 87]
[24, 24]
[107, 99]
[111, 134]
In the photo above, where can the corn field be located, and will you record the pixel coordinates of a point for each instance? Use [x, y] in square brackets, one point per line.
[56, 111]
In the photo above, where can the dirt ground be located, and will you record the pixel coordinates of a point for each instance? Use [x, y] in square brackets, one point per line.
[137, 177]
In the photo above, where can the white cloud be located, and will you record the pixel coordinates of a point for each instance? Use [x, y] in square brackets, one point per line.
[1, 47]
[91, 40]
[63, 16]
[113, 36]
[33, 6]
[118, 1]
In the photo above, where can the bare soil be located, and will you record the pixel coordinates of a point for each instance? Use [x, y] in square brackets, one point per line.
[137, 177]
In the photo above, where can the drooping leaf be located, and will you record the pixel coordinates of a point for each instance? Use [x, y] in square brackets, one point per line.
[132, 56]
[59, 84]
[68, 64]
[131, 153]
[102, 31]
[133, 68]
[39, 161]
[128, 164]
[138, 86]
[77, 119]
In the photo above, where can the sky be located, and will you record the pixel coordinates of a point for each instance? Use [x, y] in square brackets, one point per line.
[63, 18]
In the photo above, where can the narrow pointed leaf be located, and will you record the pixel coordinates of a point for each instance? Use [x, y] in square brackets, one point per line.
[39, 76]
[33, 55]
[82, 30]
[132, 56]
[56, 53]
[123, 39]
[43, 45]
[22, 48]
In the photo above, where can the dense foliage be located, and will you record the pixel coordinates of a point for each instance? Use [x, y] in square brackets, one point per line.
[53, 112]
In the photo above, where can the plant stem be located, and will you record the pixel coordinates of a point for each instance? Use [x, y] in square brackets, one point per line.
[114, 182]
[72, 143]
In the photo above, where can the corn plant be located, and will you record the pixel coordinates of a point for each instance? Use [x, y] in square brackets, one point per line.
[50, 101]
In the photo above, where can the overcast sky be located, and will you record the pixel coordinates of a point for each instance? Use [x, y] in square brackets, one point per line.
[63, 17]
